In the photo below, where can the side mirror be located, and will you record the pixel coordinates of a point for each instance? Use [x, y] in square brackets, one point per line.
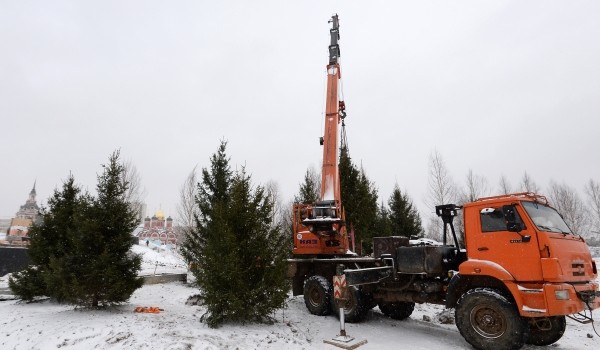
[511, 222]
[511, 219]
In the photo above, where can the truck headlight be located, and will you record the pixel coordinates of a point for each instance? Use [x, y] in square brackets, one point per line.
[561, 294]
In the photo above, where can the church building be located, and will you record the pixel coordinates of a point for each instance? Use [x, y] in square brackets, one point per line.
[158, 229]
[24, 218]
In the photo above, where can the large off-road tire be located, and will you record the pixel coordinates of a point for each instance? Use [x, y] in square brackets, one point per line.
[398, 310]
[546, 331]
[490, 321]
[355, 307]
[370, 301]
[318, 295]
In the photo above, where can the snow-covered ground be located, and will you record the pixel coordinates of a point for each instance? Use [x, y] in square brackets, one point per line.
[156, 260]
[47, 325]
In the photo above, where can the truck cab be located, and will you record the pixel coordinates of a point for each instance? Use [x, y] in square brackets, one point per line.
[525, 271]
[522, 241]
[520, 273]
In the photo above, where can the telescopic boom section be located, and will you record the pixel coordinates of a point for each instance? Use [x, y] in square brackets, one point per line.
[319, 228]
[330, 184]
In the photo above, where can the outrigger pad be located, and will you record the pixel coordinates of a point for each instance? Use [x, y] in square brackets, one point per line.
[345, 342]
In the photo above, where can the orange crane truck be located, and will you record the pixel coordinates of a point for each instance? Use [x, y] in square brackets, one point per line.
[520, 272]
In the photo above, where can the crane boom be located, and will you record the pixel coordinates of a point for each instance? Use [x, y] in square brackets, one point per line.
[319, 227]
[330, 184]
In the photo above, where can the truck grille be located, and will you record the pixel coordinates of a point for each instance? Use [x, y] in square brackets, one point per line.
[578, 269]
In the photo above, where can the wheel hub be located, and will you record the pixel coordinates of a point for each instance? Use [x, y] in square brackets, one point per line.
[315, 297]
[487, 322]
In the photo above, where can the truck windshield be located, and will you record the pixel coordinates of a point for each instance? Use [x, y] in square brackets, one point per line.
[546, 218]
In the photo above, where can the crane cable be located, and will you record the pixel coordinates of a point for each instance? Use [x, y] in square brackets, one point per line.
[342, 114]
[344, 139]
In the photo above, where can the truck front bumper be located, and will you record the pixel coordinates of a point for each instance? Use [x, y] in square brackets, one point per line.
[558, 299]
[567, 299]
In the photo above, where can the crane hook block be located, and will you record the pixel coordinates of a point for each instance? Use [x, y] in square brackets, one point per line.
[334, 47]
[342, 109]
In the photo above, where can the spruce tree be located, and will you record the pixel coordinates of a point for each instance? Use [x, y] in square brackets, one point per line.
[81, 248]
[404, 217]
[50, 242]
[383, 224]
[261, 252]
[107, 272]
[309, 189]
[236, 253]
[211, 199]
[359, 199]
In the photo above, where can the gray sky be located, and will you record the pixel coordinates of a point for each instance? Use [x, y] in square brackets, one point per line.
[499, 87]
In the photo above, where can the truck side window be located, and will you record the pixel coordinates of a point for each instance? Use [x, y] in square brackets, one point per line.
[494, 221]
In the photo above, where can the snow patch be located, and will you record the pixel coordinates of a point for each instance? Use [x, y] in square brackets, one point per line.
[157, 259]
[529, 309]
[529, 290]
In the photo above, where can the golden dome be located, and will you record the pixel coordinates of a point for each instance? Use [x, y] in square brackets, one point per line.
[159, 214]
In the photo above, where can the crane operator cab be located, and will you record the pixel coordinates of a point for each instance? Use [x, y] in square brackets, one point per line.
[324, 217]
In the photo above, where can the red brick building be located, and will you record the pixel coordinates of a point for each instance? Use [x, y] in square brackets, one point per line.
[157, 229]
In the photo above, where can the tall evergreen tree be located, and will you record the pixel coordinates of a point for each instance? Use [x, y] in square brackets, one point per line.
[404, 217]
[383, 223]
[81, 248]
[261, 254]
[237, 254]
[105, 272]
[51, 241]
[49, 238]
[211, 201]
[359, 199]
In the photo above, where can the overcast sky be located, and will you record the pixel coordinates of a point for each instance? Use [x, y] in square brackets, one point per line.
[498, 87]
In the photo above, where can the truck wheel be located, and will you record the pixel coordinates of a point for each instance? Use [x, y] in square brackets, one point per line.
[355, 308]
[489, 321]
[371, 303]
[317, 295]
[398, 311]
[546, 331]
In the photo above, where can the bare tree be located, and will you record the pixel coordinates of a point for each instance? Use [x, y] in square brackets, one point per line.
[186, 208]
[504, 185]
[528, 185]
[286, 216]
[441, 186]
[476, 187]
[566, 200]
[281, 213]
[272, 190]
[592, 190]
[135, 193]
[434, 228]
[441, 191]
